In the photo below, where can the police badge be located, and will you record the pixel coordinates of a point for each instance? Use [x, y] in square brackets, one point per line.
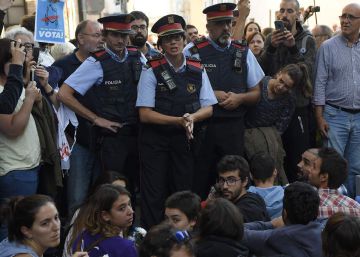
[191, 88]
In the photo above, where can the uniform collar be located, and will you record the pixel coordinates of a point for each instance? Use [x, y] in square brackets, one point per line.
[181, 68]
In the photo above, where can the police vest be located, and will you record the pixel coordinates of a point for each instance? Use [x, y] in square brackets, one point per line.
[227, 70]
[114, 99]
[177, 93]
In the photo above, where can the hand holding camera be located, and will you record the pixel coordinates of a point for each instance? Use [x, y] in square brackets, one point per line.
[17, 52]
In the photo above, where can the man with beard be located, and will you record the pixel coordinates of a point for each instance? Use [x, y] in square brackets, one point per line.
[291, 45]
[234, 74]
[233, 177]
[140, 27]
[108, 80]
[84, 166]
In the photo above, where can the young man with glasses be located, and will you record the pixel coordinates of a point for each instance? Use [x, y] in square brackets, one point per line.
[337, 95]
[139, 38]
[232, 182]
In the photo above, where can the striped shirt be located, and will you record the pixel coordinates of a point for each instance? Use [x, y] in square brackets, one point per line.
[331, 202]
[338, 74]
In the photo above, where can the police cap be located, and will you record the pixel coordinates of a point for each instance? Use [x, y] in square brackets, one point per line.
[219, 12]
[119, 23]
[169, 25]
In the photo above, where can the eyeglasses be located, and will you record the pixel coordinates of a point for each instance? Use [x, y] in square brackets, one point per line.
[95, 35]
[28, 46]
[136, 27]
[229, 181]
[168, 39]
[349, 17]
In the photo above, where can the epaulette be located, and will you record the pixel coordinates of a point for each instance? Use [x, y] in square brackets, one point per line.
[193, 64]
[156, 61]
[242, 44]
[155, 57]
[100, 54]
[201, 42]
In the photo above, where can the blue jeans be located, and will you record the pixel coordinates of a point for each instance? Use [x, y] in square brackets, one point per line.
[84, 169]
[14, 183]
[344, 136]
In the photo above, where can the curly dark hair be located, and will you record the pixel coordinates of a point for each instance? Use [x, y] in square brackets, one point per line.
[232, 163]
[301, 203]
[333, 164]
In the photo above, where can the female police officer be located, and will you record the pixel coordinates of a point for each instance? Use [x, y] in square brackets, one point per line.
[174, 93]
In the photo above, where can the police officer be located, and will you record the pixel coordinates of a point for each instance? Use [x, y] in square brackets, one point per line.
[234, 74]
[174, 96]
[108, 80]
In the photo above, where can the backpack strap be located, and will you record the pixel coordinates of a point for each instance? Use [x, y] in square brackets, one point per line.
[303, 44]
[91, 246]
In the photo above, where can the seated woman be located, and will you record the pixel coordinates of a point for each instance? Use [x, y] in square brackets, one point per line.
[266, 121]
[164, 241]
[108, 215]
[221, 229]
[78, 220]
[341, 236]
[34, 226]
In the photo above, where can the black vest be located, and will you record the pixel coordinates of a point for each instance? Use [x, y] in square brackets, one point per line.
[227, 71]
[177, 93]
[114, 99]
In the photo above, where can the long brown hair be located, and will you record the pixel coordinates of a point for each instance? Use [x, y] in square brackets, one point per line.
[89, 216]
[300, 75]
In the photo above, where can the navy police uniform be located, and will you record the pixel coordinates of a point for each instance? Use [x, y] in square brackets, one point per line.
[228, 71]
[109, 86]
[166, 155]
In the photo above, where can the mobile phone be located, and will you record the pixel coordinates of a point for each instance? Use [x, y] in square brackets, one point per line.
[35, 53]
[279, 25]
[32, 74]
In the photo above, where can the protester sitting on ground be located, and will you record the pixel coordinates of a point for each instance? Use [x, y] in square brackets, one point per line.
[266, 121]
[341, 236]
[256, 43]
[296, 234]
[327, 170]
[34, 227]
[233, 178]
[264, 173]
[182, 210]
[165, 241]
[108, 215]
[221, 229]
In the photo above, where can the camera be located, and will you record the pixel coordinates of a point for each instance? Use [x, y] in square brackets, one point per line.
[314, 8]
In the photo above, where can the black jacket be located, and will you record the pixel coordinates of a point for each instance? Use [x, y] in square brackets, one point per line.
[273, 59]
[213, 246]
[252, 207]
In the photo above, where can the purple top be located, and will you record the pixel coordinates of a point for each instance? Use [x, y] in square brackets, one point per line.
[113, 246]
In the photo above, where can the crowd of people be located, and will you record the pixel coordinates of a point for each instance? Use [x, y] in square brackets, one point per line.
[243, 142]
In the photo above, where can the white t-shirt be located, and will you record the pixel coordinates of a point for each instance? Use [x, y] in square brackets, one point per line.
[22, 152]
